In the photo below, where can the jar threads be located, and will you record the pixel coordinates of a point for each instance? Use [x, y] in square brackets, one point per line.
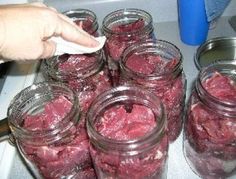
[141, 157]
[156, 65]
[209, 133]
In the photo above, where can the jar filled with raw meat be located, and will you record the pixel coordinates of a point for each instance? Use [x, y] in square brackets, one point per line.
[127, 130]
[210, 128]
[122, 28]
[84, 18]
[156, 65]
[86, 74]
[46, 125]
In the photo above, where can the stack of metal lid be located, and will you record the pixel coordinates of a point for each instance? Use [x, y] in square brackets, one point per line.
[216, 50]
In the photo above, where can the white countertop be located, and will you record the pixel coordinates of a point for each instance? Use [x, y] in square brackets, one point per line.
[12, 167]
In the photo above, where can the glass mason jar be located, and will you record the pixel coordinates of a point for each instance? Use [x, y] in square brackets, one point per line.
[45, 122]
[85, 19]
[127, 130]
[86, 74]
[157, 66]
[122, 28]
[210, 128]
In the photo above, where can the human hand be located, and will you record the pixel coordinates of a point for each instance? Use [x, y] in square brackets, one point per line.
[26, 29]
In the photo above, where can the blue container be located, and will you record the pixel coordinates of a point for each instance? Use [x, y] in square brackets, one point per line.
[193, 24]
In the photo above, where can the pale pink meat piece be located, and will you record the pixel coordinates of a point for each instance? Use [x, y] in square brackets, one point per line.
[127, 122]
[56, 161]
[212, 137]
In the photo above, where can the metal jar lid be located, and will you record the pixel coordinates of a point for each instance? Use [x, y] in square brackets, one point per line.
[215, 50]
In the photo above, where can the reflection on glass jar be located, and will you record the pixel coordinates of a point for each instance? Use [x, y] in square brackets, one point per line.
[127, 130]
[209, 135]
[86, 74]
[45, 122]
[157, 66]
[85, 19]
[122, 28]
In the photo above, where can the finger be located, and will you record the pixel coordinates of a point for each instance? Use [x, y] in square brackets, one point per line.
[38, 4]
[49, 48]
[74, 34]
[53, 9]
[67, 19]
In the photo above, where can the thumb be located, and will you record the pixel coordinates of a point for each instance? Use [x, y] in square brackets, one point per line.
[75, 34]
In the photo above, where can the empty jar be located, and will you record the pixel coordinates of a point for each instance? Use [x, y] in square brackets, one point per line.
[84, 18]
[209, 135]
[122, 28]
[46, 125]
[127, 130]
[156, 65]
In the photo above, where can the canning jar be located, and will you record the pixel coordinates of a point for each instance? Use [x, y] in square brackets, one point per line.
[84, 18]
[86, 74]
[210, 128]
[45, 122]
[122, 28]
[157, 66]
[127, 130]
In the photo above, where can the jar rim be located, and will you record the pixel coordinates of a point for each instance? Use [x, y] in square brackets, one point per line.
[71, 13]
[24, 97]
[50, 68]
[148, 140]
[80, 10]
[224, 107]
[148, 28]
[153, 46]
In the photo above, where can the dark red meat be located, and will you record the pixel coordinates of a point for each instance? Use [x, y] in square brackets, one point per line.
[53, 113]
[130, 26]
[212, 136]
[207, 126]
[150, 64]
[114, 48]
[118, 124]
[124, 36]
[86, 25]
[207, 165]
[61, 159]
[171, 91]
[221, 87]
[116, 44]
[75, 67]
[72, 63]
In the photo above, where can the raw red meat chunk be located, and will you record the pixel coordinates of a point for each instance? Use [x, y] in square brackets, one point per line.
[53, 113]
[171, 91]
[123, 36]
[221, 87]
[121, 123]
[87, 25]
[208, 165]
[131, 26]
[116, 43]
[150, 64]
[73, 63]
[211, 136]
[76, 69]
[64, 158]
